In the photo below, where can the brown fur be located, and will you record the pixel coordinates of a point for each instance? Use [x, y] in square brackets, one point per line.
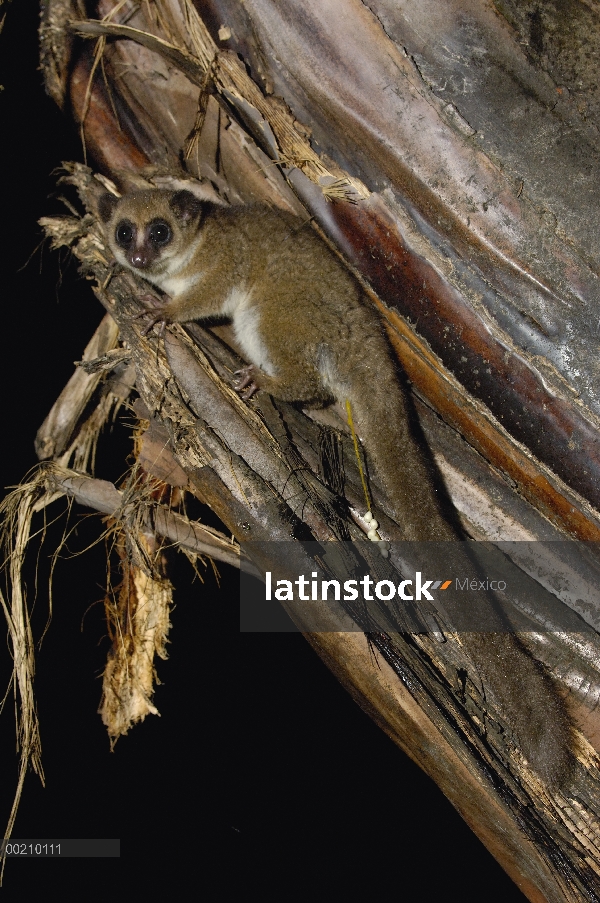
[311, 336]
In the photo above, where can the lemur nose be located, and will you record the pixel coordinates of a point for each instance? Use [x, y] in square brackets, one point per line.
[139, 259]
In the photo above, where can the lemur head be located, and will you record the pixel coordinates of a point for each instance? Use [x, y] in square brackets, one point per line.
[150, 231]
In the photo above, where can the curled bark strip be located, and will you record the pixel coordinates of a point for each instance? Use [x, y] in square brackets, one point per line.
[139, 624]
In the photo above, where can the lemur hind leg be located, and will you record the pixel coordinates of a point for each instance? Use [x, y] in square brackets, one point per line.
[288, 385]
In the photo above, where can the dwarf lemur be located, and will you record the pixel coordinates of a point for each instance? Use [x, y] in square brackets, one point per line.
[303, 323]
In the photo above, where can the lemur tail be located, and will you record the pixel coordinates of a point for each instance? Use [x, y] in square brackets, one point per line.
[529, 702]
[524, 691]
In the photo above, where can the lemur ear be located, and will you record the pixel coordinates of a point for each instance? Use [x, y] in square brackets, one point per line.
[106, 205]
[186, 206]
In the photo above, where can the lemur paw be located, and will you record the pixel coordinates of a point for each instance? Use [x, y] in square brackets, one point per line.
[154, 319]
[244, 383]
[151, 300]
[153, 311]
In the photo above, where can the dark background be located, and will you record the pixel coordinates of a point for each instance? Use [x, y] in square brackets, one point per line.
[262, 772]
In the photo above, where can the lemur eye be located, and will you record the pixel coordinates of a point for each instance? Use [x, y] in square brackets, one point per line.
[124, 234]
[159, 233]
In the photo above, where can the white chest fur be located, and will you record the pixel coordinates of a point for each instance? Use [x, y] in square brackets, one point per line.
[177, 285]
[246, 326]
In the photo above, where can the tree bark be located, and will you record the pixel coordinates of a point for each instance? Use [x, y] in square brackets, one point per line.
[447, 171]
